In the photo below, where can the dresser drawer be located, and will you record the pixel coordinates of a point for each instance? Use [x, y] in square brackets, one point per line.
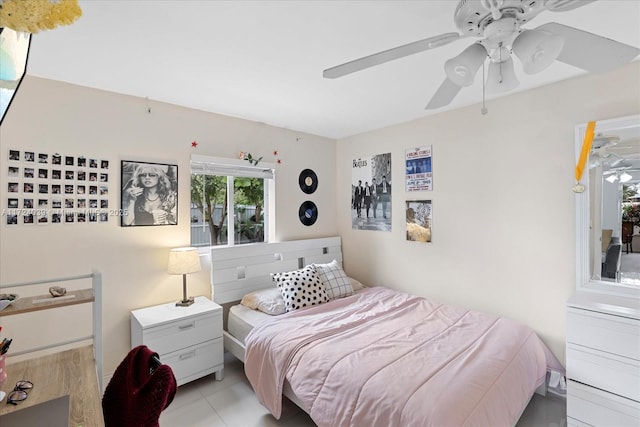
[612, 334]
[593, 407]
[605, 371]
[572, 422]
[196, 361]
[183, 333]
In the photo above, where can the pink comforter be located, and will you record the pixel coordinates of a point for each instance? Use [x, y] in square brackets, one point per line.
[385, 358]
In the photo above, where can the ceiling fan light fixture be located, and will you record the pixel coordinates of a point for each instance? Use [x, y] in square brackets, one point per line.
[462, 69]
[502, 77]
[611, 178]
[537, 49]
[625, 177]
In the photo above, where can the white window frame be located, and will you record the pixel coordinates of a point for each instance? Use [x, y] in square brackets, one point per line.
[231, 168]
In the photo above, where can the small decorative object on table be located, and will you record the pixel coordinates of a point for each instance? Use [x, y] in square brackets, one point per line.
[57, 291]
[6, 300]
[3, 369]
[4, 347]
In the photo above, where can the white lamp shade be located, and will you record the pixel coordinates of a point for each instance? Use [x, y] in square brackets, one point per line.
[502, 77]
[611, 178]
[537, 49]
[462, 69]
[184, 261]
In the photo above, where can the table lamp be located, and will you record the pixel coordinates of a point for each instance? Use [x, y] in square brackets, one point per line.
[184, 261]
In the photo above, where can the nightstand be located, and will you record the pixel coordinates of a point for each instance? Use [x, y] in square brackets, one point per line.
[189, 339]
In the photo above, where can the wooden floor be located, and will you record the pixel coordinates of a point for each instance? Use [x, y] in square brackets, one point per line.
[232, 403]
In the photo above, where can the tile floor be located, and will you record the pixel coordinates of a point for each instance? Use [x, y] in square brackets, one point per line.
[232, 403]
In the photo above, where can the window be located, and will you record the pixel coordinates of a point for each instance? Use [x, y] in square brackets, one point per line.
[230, 201]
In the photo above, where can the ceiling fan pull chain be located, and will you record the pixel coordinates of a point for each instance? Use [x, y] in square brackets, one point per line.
[484, 110]
[500, 63]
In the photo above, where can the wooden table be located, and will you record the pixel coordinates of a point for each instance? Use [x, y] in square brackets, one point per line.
[71, 372]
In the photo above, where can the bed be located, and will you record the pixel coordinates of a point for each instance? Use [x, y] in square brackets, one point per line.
[375, 356]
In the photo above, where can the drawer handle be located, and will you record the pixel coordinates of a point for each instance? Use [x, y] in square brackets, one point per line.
[188, 355]
[185, 327]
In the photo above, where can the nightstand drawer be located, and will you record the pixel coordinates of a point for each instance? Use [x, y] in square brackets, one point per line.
[197, 361]
[183, 333]
[612, 334]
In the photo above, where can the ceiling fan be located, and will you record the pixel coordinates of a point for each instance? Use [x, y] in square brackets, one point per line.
[601, 145]
[497, 27]
[607, 151]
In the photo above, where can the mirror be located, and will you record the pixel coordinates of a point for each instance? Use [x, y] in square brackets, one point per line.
[608, 211]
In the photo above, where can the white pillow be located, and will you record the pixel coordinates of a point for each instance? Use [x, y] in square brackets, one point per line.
[300, 288]
[356, 285]
[266, 300]
[334, 279]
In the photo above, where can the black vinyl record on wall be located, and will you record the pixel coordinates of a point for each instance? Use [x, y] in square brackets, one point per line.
[308, 213]
[308, 181]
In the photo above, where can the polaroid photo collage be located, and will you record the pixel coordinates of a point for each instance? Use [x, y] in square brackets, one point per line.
[47, 188]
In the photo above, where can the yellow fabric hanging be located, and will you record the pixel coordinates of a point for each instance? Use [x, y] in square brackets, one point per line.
[31, 16]
[586, 148]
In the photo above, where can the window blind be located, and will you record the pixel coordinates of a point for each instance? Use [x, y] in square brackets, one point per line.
[206, 165]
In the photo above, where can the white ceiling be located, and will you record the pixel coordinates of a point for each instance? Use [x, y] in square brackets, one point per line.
[263, 60]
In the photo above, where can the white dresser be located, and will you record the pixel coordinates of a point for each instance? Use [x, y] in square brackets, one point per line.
[603, 360]
[189, 339]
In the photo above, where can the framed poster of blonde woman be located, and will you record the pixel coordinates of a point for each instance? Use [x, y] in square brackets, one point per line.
[419, 220]
[149, 194]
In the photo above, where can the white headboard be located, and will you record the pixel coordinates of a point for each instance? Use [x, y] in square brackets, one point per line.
[238, 270]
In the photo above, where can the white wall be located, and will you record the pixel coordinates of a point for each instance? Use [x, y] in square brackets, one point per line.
[503, 237]
[503, 209]
[48, 116]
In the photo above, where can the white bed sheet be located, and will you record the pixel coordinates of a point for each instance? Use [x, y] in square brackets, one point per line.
[240, 322]
[243, 319]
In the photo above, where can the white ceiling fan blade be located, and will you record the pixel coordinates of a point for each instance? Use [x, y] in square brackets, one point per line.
[588, 51]
[389, 55]
[444, 95]
[564, 5]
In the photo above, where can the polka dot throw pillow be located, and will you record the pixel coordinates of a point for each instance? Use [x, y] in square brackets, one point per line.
[300, 288]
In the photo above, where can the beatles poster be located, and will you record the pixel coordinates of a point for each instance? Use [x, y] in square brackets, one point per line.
[418, 169]
[419, 220]
[371, 193]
